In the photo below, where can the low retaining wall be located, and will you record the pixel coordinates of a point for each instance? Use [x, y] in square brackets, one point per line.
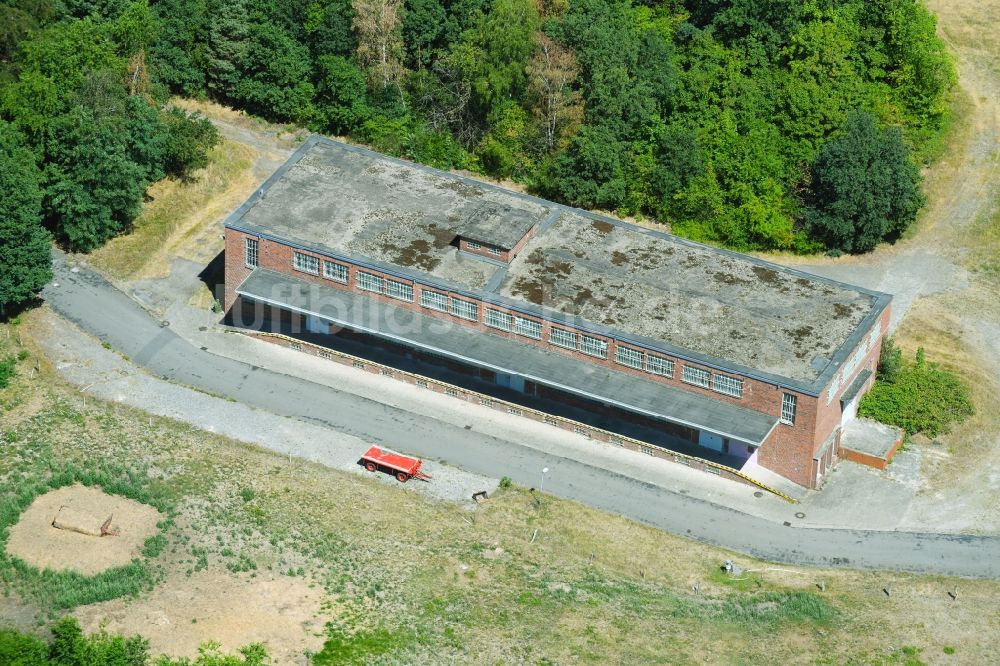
[869, 459]
[587, 431]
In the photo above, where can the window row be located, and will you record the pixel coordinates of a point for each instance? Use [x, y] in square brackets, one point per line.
[309, 264]
[587, 344]
[505, 321]
[658, 365]
[434, 300]
[640, 360]
[381, 285]
[476, 245]
[724, 384]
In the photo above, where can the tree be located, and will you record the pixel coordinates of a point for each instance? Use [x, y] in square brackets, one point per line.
[189, 138]
[341, 96]
[328, 28]
[175, 57]
[423, 29]
[865, 187]
[226, 46]
[93, 189]
[591, 172]
[25, 259]
[377, 24]
[551, 74]
[274, 74]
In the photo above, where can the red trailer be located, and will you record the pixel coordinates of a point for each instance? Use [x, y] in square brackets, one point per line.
[400, 466]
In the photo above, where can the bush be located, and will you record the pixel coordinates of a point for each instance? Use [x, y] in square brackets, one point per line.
[8, 368]
[890, 362]
[919, 397]
[189, 138]
[70, 647]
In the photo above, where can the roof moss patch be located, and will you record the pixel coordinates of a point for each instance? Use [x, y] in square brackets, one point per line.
[654, 289]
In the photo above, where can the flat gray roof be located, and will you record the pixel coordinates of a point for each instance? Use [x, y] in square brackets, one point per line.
[719, 308]
[500, 354]
[498, 224]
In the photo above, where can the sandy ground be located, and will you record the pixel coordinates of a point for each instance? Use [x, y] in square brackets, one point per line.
[34, 539]
[286, 614]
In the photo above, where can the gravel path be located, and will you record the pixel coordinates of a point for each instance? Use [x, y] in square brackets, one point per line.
[103, 373]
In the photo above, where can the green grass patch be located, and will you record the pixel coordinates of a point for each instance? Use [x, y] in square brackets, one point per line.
[8, 368]
[362, 647]
[918, 396]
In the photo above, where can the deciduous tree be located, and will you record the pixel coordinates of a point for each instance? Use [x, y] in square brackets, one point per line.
[865, 186]
[25, 260]
[378, 26]
[552, 73]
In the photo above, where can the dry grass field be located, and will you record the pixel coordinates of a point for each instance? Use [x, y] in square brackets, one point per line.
[363, 572]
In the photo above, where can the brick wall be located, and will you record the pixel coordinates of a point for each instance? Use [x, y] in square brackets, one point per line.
[505, 255]
[788, 451]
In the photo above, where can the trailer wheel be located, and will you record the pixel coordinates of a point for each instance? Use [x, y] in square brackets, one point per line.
[371, 467]
[402, 476]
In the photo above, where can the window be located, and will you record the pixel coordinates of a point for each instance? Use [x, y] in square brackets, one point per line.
[434, 300]
[369, 282]
[473, 245]
[528, 328]
[630, 357]
[335, 272]
[495, 251]
[498, 319]
[660, 366]
[788, 404]
[306, 263]
[251, 252]
[562, 338]
[400, 290]
[728, 385]
[697, 376]
[593, 346]
[464, 309]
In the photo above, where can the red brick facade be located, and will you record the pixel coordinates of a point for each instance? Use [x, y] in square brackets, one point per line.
[483, 249]
[789, 450]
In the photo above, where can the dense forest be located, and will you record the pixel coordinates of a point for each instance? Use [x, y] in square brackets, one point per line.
[794, 125]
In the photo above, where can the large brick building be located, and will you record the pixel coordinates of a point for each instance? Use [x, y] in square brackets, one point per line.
[725, 351]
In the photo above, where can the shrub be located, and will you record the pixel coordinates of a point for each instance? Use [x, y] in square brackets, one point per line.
[919, 397]
[70, 647]
[890, 362]
[506, 482]
[8, 368]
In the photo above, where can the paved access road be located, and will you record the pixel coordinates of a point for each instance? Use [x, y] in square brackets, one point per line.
[98, 307]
